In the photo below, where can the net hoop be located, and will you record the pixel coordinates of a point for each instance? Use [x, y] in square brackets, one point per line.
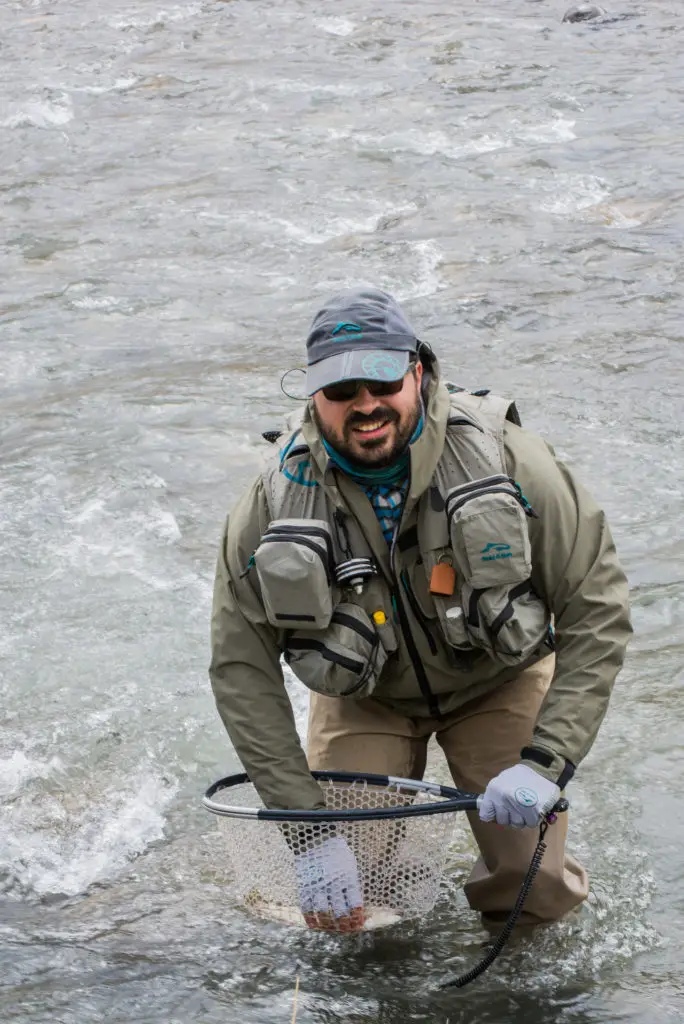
[449, 800]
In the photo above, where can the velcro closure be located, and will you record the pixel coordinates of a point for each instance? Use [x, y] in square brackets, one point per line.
[552, 766]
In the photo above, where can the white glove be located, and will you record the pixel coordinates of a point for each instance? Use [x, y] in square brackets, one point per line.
[519, 797]
[329, 885]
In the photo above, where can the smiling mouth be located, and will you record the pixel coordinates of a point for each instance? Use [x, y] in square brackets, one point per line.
[372, 427]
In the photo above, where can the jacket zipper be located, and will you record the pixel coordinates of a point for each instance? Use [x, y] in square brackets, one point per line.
[398, 604]
[418, 667]
[418, 611]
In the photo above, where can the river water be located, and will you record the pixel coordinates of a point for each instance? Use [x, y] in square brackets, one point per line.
[180, 186]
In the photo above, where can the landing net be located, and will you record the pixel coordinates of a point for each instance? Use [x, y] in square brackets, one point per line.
[398, 830]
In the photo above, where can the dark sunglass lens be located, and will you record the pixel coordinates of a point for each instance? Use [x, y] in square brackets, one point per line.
[385, 387]
[343, 391]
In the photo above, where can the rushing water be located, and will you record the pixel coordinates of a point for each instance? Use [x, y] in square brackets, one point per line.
[180, 186]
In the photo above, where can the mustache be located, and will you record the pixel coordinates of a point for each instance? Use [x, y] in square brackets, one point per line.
[379, 415]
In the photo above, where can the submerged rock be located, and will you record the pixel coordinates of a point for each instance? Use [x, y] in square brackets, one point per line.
[584, 12]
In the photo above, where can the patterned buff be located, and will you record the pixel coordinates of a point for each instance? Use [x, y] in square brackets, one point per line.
[385, 488]
[387, 501]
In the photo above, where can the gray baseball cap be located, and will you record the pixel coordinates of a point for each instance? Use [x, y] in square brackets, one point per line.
[358, 335]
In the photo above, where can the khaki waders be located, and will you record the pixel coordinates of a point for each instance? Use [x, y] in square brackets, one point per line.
[479, 740]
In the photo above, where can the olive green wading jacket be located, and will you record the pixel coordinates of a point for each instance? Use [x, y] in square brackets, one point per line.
[575, 571]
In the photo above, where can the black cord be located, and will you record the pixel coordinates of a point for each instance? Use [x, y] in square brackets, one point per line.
[342, 533]
[296, 398]
[505, 934]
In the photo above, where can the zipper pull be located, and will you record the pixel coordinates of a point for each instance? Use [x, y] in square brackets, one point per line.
[250, 565]
[529, 511]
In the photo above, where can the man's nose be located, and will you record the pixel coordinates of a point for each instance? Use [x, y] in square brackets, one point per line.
[365, 402]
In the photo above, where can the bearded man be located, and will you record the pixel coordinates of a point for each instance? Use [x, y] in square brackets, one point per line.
[490, 610]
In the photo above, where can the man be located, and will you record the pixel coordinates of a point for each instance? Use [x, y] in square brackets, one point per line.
[490, 611]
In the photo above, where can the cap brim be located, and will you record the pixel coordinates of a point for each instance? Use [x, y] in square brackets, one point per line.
[361, 364]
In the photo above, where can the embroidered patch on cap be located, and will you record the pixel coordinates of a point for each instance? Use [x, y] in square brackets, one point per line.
[382, 366]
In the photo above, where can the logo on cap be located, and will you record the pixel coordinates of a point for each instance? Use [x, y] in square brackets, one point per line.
[382, 366]
[346, 328]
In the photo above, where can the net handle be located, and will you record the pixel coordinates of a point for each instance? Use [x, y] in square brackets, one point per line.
[451, 800]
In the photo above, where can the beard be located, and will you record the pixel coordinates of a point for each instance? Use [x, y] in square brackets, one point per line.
[373, 453]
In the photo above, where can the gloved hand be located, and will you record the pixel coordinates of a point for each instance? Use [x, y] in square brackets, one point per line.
[329, 886]
[519, 797]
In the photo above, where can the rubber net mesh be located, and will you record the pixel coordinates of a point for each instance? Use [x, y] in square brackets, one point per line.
[400, 860]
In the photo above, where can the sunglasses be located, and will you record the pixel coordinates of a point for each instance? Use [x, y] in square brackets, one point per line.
[346, 390]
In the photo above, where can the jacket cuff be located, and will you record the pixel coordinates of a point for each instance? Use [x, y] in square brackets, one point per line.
[552, 766]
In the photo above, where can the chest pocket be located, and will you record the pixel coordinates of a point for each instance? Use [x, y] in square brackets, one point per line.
[490, 541]
[446, 608]
[294, 563]
[344, 660]
[510, 623]
[488, 530]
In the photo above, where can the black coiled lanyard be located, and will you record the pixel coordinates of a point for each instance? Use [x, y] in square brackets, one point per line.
[505, 933]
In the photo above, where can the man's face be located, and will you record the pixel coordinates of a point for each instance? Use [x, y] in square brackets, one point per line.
[369, 429]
